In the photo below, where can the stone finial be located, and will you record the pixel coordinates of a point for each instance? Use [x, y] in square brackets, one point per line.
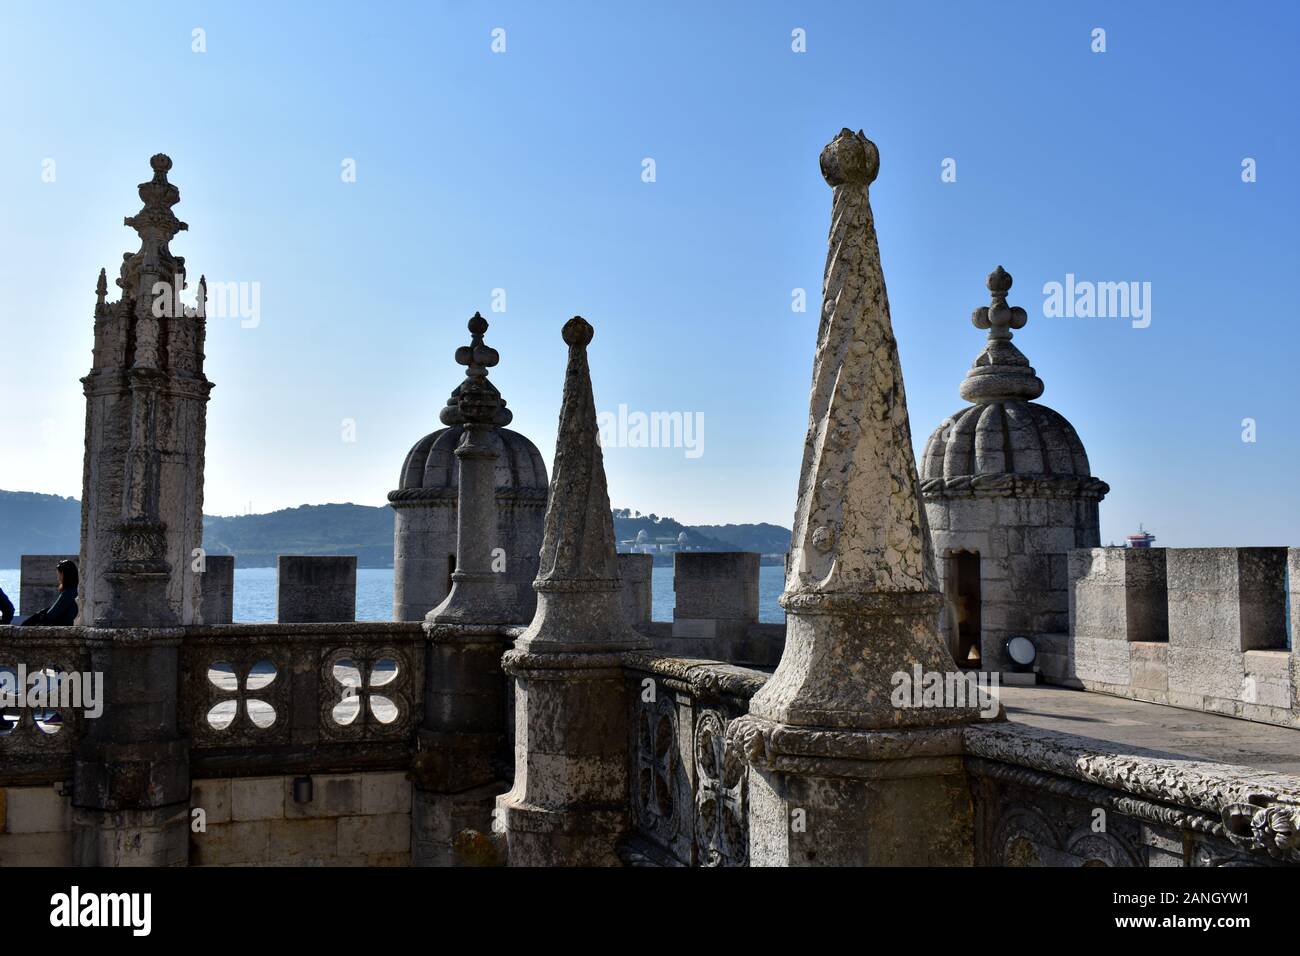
[156, 225]
[850, 158]
[476, 401]
[201, 298]
[578, 589]
[998, 317]
[1001, 372]
[101, 292]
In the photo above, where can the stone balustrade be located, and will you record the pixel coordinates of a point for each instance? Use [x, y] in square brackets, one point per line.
[688, 792]
[37, 742]
[282, 698]
[302, 742]
[1201, 628]
[1036, 793]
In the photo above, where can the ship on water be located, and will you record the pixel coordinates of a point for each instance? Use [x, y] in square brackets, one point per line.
[1142, 539]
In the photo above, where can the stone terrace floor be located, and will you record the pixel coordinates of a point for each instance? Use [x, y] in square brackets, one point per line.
[1135, 723]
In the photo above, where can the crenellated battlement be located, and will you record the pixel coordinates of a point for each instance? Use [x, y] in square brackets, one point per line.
[1200, 628]
[715, 612]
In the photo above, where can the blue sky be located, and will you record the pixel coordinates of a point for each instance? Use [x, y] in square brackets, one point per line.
[522, 171]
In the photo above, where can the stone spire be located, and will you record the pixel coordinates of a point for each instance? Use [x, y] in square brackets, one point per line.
[830, 734]
[577, 583]
[568, 803]
[1001, 372]
[861, 593]
[477, 595]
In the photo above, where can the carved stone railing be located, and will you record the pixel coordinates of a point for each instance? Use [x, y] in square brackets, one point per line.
[688, 794]
[1040, 798]
[290, 698]
[37, 743]
[1050, 799]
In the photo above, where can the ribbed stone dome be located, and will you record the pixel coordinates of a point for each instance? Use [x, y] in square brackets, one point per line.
[1004, 442]
[1001, 438]
[432, 470]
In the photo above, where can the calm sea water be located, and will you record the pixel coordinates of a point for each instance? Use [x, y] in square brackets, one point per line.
[255, 594]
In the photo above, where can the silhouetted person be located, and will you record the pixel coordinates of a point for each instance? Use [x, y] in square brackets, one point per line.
[64, 609]
[6, 608]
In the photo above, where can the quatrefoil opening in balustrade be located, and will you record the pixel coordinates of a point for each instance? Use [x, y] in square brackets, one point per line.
[358, 690]
[45, 681]
[228, 678]
[656, 754]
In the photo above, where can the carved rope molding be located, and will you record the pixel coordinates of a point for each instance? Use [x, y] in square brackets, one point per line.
[1014, 486]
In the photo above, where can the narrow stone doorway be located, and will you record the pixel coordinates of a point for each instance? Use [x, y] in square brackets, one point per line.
[964, 597]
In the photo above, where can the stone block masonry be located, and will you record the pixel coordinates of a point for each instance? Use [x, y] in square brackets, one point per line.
[35, 827]
[716, 600]
[356, 819]
[317, 589]
[1200, 628]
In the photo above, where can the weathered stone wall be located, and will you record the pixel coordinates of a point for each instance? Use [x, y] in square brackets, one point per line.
[1201, 628]
[38, 585]
[35, 827]
[716, 600]
[1023, 545]
[352, 819]
[424, 553]
[424, 535]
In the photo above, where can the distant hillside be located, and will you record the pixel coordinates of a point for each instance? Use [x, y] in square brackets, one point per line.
[258, 540]
[37, 524]
[763, 538]
[47, 524]
[768, 539]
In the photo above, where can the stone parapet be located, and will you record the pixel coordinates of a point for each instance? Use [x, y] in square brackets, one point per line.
[715, 586]
[635, 572]
[1200, 628]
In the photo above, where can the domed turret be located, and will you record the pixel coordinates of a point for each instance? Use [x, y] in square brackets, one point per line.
[425, 520]
[431, 467]
[1008, 493]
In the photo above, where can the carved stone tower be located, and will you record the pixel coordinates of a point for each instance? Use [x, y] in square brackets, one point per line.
[146, 401]
[1008, 494]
